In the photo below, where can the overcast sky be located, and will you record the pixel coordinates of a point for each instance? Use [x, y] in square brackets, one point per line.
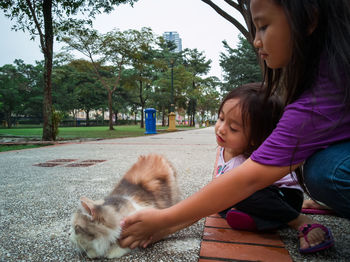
[198, 24]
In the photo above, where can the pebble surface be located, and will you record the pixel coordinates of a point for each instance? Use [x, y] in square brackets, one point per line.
[36, 203]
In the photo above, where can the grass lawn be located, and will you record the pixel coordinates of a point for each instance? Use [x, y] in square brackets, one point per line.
[68, 133]
[77, 132]
[4, 148]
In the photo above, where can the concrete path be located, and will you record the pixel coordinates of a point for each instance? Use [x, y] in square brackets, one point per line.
[40, 189]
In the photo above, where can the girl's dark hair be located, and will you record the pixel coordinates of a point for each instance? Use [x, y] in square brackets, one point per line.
[260, 114]
[319, 28]
[330, 37]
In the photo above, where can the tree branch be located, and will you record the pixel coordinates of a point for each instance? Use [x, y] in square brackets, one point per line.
[229, 18]
[120, 68]
[37, 24]
[233, 4]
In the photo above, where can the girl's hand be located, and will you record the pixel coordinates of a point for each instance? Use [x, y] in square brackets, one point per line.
[139, 228]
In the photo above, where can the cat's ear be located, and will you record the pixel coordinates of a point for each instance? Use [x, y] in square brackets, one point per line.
[89, 206]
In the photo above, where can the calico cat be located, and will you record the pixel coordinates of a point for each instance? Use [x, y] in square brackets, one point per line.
[150, 182]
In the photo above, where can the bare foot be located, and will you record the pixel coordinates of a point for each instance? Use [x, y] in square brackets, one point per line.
[309, 203]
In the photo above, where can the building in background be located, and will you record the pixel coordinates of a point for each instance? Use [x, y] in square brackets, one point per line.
[174, 37]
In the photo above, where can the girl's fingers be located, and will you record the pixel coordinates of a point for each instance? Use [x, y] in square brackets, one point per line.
[145, 243]
[149, 241]
[135, 244]
[129, 220]
[125, 242]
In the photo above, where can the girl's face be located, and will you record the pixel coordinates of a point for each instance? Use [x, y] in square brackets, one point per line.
[273, 33]
[229, 129]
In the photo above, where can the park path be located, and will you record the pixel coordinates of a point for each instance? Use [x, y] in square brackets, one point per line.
[40, 189]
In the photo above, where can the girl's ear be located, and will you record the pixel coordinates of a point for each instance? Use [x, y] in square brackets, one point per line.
[89, 206]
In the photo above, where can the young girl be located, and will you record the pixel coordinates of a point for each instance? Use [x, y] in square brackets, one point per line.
[245, 120]
[306, 51]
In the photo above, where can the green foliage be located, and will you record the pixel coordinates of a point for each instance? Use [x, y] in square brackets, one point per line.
[12, 90]
[240, 65]
[21, 90]
[195, 62]
[209, 98]
[65, 13]
[131, 67]
[47, 19]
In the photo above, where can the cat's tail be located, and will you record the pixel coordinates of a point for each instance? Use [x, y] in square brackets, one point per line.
[155, 174]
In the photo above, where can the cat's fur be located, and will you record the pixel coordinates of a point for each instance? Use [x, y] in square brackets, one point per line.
[150, 182]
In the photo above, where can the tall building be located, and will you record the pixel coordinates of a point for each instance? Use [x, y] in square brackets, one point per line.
[174, 37]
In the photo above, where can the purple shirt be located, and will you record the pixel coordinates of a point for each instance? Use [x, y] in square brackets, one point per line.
[314, 121]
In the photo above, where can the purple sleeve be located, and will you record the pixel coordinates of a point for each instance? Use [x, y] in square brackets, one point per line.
[311, 123]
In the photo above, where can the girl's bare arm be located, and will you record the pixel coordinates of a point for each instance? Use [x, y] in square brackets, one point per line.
[221, 193]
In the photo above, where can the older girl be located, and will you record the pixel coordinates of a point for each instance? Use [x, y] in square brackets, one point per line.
[306, 50]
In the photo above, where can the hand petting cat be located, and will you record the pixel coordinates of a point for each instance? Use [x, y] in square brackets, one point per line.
[134, 233]
[141, 228]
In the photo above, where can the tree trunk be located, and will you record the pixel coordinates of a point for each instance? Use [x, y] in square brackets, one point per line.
[103, 117]
[48, 53]
[142, 116]
[163, 115]
[116, 117]
[142, 102]
[74, 117]
[8, 119]
[87, 119]
[110, 109]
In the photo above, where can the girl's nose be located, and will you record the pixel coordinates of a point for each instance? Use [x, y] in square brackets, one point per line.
[221, 129]
[257, 42]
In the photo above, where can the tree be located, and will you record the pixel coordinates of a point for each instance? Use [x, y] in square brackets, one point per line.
[33, 95]
[242, 6]
[65, 78]
[19, 86]
[239, 65]
[44, 19]
[196, 63]
[12, 85]
[113, 48]
[76, 86]
[209, 98]
[143, 63]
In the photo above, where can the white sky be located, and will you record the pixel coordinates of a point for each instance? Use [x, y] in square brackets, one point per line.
[197, 23]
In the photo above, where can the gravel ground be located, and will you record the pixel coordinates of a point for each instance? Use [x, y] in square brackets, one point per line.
[36, 203]
[340, 228]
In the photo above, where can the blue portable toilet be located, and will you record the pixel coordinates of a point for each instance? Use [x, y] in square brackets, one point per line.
[150, 119]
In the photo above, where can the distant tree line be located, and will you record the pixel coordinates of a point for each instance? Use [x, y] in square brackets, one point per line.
[125, 72]
[50, 19]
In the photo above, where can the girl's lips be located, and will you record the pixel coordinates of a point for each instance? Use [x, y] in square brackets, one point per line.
[218, 138]
[262, 55]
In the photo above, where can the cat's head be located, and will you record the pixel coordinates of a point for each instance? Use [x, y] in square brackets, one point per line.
[94, 228]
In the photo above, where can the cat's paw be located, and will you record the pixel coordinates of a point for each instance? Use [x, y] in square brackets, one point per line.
[117, 251]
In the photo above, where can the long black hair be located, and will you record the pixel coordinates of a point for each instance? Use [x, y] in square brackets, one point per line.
[259, 114]
[318, 28]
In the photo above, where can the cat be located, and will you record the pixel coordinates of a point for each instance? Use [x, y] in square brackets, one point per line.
[150, 182]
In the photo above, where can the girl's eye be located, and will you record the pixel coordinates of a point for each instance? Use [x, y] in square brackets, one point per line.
[262, 28]
[233, 129]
